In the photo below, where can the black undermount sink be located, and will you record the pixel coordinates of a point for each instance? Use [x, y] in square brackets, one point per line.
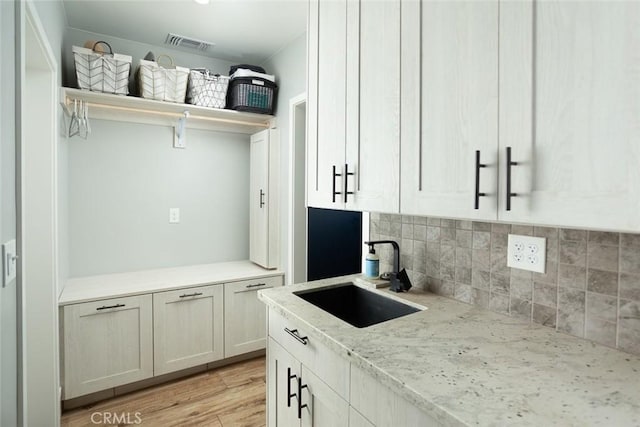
[357, 306]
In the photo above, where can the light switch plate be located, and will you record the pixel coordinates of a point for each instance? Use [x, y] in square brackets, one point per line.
[527, 253]
[9, 262]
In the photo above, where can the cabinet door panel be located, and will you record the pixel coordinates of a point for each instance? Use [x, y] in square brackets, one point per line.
[245, 316]
[570, 84]
[107, 347]
[188, 330]
[458, 88]
[281, 411]
[326, 99]
[373, 97]
[324, 406]
[259, 195]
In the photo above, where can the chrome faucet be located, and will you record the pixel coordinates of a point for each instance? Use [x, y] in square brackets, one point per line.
[399, 279]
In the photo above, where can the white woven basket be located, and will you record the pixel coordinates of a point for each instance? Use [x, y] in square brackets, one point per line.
[160, 83]
[207, 90]
[102, 72]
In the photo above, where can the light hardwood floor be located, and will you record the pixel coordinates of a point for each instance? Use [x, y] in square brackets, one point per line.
[233, 395]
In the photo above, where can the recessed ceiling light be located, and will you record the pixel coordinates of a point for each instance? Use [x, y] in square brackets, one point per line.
[201, 1]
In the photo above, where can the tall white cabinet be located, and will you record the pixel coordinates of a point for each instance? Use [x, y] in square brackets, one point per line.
[263, 199]
[353, 141]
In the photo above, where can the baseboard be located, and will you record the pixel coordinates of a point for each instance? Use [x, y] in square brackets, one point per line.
[93, 398]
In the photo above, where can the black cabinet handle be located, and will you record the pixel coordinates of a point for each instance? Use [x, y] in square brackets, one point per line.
[300, 405]
[289, 394]
[335, 193]
[294, 333]
[509, 164]
[195, 294]
[347, 174]
[106, 307]
[478, 194]
[261, 198]
[256, 285]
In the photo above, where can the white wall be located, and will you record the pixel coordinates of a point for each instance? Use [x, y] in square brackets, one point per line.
[124, 178]
[8, 297]
[290, 67]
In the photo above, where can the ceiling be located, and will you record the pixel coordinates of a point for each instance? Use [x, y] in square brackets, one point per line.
[247, 31]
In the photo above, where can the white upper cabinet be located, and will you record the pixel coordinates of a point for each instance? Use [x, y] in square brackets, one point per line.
[353, 142]
[449, 108]
[569, 91]
[326, 102]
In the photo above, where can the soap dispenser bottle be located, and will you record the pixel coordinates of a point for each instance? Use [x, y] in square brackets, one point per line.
[372, 264]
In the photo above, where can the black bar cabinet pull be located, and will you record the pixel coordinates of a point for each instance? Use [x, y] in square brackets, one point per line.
[509, 164]
[289, 394]
[300, 405]
[195, 294]
[335, 193]
[294, 333]
[256, 285]
[261, 198]
[347, 174]
[106, 307]
[478, 193]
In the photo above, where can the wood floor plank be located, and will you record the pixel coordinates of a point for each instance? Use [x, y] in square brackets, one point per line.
[233, 395]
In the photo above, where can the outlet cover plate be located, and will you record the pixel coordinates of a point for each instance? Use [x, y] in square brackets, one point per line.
[527, 253]
[174, 215]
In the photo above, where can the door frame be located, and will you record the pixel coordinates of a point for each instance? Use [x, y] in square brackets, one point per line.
[36, 193]
[294, 252]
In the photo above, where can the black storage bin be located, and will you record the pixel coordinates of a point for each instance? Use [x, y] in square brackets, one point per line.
[251, 94]
[255, 68]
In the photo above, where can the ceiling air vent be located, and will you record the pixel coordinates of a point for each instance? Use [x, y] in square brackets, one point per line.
[182, 41]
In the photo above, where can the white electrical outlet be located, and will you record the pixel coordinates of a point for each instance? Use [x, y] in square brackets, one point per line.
[527, 253]
[174, 215]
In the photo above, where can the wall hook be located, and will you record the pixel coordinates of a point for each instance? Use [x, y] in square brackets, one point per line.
[180, 131]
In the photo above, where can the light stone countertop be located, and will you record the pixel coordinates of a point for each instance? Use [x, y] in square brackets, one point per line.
[92, 288]
[464, 365]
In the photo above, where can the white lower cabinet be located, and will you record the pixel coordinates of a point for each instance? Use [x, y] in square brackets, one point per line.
[381, 406]
[106, 344]
[244, 315]
[188, 328]
[297, 397]
[309, 384]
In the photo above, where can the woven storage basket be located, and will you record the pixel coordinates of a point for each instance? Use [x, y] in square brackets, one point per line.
[160, 83]
[207, 90]
[102, 72]
[252, 94]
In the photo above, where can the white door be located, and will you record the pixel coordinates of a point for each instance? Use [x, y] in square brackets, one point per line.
[326, 128]
[373, 107]
[245, 316]
[106, 344]
[259, 195]
[321, 406]
[569, 90]
[283, 371]
[450, 99]
[187, 328]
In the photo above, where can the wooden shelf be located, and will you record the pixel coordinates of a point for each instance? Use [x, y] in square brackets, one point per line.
[139, 110]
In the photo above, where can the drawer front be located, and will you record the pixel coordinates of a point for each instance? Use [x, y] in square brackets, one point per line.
[322, 361]
[106, 344]
[245, 316]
